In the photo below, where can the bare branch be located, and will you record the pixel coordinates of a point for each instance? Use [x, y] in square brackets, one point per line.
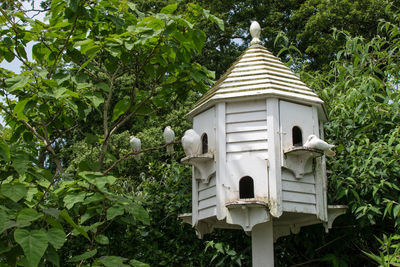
[53, 180]
[126, 156]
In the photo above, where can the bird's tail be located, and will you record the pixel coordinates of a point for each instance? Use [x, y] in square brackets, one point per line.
[170, 149]
[137, 157]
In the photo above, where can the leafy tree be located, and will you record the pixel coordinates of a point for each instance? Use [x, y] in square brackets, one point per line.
[96, 68]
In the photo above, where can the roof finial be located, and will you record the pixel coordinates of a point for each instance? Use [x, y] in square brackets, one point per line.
[255, 31]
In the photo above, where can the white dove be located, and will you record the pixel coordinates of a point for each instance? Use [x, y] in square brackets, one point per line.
[169, 136]
[191, 143]
[136, 146]
[314, 142]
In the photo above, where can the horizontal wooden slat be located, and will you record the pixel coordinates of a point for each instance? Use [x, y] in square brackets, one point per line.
[299, 207]
[298, 187]
[247, 146]
[238, 107]
[209, 202]
[262, 154]
[249, 116]
[207, 193]
[298, 197]
[204, 186]
[289, 176]
[246, 136]
[209, 212]
[246, 126]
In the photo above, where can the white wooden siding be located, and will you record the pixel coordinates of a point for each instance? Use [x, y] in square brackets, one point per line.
[298, 195]
[207, 200]
[246, 129]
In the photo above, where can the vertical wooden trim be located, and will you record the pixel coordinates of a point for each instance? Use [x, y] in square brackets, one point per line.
[274, 157]
[318, 175]
[324, 177]
[195, 199]
[220, 158]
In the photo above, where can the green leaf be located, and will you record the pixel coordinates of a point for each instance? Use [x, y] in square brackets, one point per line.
[72, 198]
[55, 213]
[114, 211]
[56, 237]
[84, 256]
[396, 211]
[87, 62]
[20, 163]
[102, 239]
[26, 216]
[113, 261]
[169, 9]
[69, 220]
[16, 82]
[59, 92]
[19, 109]
[3, 218]
[4, 151]
[98, 180]
[96, 99]
[120, 108]
[73, 5]
[34, 244]
[139, 212]
[136, 263]
[103, 86]
[14, 191]
[52, 256]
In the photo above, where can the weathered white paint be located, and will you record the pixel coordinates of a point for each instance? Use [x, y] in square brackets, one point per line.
[205, 123]
[246, 127]
[207, 201]
[291, 115]
[221, 160]
[251, 166]
[274, 156]
[298, 191]
[262, 245]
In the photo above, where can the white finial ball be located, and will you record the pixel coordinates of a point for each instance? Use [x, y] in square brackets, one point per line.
[255, 31]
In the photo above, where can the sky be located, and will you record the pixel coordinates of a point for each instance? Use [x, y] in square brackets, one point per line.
[15, 65]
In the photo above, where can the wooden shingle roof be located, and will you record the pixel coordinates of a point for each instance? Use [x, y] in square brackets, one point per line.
[257, 72]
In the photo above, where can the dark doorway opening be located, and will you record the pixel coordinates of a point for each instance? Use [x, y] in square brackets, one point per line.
[297, 136]
[204, 144]
[246, 187]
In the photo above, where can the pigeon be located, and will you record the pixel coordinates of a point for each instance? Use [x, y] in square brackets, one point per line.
[314, 142]
[169, 136]
[191, 143]
[136, 146]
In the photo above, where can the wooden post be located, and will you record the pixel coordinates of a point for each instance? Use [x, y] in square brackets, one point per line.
[262, 245]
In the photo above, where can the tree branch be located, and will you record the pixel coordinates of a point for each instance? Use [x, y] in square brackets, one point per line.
[126, 156]
[45, 140]
[65, 46]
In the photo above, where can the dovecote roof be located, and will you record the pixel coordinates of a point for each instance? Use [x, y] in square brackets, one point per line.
[256, 73]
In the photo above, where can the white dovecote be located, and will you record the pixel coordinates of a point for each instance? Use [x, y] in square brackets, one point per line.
[255, 170]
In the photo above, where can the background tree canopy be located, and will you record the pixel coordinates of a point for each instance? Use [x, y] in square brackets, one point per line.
[102, 71]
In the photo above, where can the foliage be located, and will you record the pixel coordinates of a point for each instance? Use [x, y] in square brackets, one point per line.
[96, 68]
[361, 92]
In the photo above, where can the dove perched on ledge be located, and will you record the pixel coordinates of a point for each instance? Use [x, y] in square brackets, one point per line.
[314, 142]
[191, 143]
[136, 146]
[169, 136]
